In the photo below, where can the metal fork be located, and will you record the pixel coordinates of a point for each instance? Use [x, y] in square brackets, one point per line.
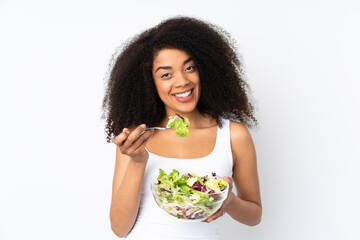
[156, 128]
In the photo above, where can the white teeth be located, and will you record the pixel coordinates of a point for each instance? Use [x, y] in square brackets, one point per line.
[183, 95]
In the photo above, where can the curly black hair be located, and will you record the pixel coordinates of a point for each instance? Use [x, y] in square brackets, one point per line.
[131, 97]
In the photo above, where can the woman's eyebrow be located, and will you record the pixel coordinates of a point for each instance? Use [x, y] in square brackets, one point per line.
[188, 60]
[168, 67]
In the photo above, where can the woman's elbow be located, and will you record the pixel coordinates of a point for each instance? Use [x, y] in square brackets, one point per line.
[254, 223]
[257, 219]
[119, 231]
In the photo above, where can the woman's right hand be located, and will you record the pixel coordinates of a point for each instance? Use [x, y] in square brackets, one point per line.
[133, 144]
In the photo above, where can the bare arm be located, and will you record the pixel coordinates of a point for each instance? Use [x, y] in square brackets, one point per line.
[131, 160]
[246, 206]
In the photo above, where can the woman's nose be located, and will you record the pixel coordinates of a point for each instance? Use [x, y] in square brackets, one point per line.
[181, 80]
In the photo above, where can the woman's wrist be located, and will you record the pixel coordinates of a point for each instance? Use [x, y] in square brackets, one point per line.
[137, 163]
[140, 160]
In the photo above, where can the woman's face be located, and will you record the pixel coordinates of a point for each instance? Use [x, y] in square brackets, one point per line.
[177, 80]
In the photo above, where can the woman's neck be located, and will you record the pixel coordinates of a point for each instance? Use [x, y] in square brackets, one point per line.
[196, 119]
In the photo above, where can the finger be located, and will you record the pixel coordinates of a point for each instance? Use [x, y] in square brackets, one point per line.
[215, 216]
[119, 139]
[134, 135]
[141, 148]
[140, 143]
[228, 179]
[230, 182]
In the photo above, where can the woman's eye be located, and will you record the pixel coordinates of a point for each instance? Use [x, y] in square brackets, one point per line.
[189, 68]
[165, 75]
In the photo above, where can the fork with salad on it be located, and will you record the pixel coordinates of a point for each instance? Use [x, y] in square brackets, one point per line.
[179, 123]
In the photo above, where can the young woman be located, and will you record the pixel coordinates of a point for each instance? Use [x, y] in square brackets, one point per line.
[190, 67]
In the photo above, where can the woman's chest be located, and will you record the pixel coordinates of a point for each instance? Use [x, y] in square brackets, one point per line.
[199, 144]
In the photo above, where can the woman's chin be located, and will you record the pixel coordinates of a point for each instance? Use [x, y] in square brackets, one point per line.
[183, 109]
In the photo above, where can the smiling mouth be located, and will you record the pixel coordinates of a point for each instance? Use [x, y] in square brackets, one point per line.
[184, 94]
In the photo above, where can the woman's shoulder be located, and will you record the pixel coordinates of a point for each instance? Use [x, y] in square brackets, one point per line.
[242, 145]
[239, 133]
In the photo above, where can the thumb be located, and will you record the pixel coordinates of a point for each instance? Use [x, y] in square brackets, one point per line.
[230, 181]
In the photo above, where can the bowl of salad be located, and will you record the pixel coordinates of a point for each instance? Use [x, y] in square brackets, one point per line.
[189, 195]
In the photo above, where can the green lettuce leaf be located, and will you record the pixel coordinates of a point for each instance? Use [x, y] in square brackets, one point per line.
[180, 125]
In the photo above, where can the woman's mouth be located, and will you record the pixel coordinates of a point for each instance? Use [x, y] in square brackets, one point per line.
[184, 96]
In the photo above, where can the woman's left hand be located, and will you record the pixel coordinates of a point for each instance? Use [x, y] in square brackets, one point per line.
[229, 198]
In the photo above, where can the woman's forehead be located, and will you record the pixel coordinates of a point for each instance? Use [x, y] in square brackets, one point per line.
[170, 56]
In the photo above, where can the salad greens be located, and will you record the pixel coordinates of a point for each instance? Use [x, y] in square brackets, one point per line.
[180, 124]
[189, 196]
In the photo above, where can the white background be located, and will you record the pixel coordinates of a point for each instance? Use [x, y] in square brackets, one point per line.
[302, 62]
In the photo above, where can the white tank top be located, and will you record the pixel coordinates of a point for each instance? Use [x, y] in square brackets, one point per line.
[154, 223]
